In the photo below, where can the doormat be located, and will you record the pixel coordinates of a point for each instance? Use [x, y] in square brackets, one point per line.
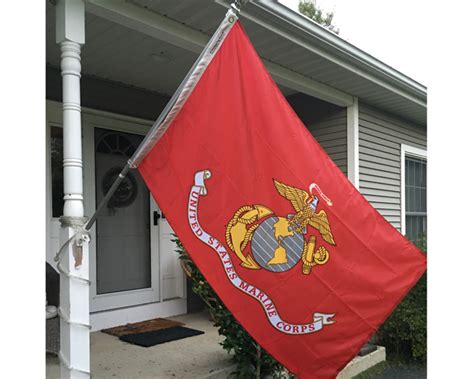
[160, 336]
[142, 327]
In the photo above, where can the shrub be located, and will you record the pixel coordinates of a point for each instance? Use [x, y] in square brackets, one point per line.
[404, 332]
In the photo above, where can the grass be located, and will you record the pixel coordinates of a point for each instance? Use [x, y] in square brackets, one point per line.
[389, 368]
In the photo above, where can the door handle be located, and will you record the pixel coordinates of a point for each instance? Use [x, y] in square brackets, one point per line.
[156, 217]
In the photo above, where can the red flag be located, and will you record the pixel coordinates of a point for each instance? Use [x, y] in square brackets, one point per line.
[306, 265]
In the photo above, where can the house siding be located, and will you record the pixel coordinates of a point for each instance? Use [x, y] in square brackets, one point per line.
[331, 133]
[380, 139]
[327, 123]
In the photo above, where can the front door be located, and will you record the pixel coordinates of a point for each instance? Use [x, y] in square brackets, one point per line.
[127, 229]
[134, 269]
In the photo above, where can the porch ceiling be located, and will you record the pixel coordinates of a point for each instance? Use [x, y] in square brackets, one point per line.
[120, 54]
[123, 54]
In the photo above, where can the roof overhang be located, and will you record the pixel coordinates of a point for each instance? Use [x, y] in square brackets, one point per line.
[320, 40]
[299, 29]
[299, 54]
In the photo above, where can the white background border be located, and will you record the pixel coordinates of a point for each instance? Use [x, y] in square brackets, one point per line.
[450, 184]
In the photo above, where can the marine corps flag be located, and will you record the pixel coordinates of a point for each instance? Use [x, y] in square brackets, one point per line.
[306, 265]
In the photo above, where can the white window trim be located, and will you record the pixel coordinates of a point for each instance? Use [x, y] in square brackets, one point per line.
[410, 151]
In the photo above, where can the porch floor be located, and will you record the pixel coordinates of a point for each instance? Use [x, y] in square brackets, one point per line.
[195, 357]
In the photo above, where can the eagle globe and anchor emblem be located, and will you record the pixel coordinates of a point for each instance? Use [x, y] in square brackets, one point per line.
[278, 243]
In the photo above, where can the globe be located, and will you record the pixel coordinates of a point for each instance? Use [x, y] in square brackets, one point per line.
[275, 246]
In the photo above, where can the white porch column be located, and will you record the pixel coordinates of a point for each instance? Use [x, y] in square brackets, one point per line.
[353, 142]
[74, 260]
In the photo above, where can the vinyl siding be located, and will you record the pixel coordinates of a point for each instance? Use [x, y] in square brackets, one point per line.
[331, 133]
[380, 140]
[327, 123]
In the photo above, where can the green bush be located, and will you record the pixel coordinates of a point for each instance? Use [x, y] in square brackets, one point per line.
[404, 332]
[248, 355]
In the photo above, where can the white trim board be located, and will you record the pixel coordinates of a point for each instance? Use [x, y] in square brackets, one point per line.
[353, 143]
[411, 151]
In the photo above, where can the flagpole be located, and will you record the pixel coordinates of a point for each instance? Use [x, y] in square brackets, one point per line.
[152, 136]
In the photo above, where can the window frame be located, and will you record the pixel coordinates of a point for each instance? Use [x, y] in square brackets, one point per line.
[413, 152]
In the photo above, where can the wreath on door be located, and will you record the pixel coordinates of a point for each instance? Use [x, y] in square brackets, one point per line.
[118, 144]
[126, 192]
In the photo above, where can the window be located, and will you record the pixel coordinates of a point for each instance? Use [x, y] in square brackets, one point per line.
[57, 191]
[414, 215]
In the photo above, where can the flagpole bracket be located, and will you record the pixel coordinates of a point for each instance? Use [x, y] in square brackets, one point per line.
[131, 164]
[80, 236]
[238, 4]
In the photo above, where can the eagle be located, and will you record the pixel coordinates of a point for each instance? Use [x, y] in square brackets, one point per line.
[305, 207]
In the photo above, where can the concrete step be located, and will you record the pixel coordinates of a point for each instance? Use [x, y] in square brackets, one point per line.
[360, 364]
